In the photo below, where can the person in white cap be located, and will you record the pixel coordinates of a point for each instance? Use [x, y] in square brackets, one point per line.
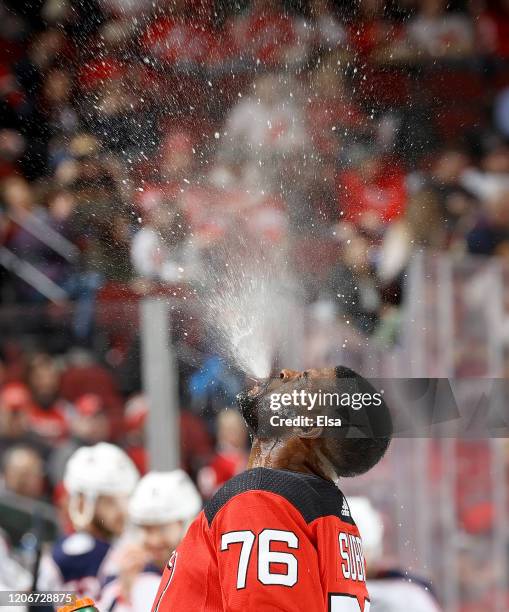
[160, 510]
[390, 589]
[99, 481]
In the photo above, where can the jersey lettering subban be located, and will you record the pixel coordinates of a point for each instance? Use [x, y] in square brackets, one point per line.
[269, 540]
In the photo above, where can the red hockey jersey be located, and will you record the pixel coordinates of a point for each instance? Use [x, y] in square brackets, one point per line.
[268, 540]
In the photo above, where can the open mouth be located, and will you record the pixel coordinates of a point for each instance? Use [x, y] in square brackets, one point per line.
[254, 394]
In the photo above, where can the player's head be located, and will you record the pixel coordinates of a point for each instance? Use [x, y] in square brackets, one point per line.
[99, 480]
[162, 507]
[349, 450]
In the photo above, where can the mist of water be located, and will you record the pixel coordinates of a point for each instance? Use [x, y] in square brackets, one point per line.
[247, 299]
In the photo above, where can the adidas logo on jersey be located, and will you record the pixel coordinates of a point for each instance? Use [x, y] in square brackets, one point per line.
[345, 510]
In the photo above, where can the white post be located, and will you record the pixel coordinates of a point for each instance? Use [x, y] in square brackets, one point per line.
[160, 379]
[447, 548]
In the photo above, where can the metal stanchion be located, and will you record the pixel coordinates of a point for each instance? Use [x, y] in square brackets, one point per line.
[160, 380]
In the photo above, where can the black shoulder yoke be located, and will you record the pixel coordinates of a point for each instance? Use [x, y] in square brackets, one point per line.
[311, 495]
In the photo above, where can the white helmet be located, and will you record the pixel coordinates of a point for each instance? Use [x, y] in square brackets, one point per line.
[164, 497]
[103, 469]
[370, 525]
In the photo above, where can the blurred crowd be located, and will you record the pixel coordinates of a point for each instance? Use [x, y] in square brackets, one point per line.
[53, 495]
[135, 137]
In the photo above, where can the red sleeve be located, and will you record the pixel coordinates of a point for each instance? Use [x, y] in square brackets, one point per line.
[266, 557]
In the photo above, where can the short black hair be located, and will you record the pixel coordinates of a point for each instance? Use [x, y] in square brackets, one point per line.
[365, 437]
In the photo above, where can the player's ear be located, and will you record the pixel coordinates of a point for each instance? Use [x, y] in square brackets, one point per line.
[310, 433]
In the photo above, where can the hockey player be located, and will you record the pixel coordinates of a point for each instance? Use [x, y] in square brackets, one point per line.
[161, 509]
[280, 535]
[99, 480]
[390, 588]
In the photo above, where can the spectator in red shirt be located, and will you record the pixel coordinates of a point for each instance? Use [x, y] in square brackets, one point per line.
[371, 194]
[16, 406]
[48, 418]
[267, 34]
[180, 36]
[84, 376]
[493, 29]
[370, 33]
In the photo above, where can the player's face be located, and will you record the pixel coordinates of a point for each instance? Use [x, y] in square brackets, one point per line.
[160, 540]
[287, 380]
[110, 514]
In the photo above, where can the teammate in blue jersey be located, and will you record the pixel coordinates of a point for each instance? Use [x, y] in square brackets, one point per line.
[99, 480]
[160, 511]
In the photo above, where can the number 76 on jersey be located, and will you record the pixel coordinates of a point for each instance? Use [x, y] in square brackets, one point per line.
[337, 602]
